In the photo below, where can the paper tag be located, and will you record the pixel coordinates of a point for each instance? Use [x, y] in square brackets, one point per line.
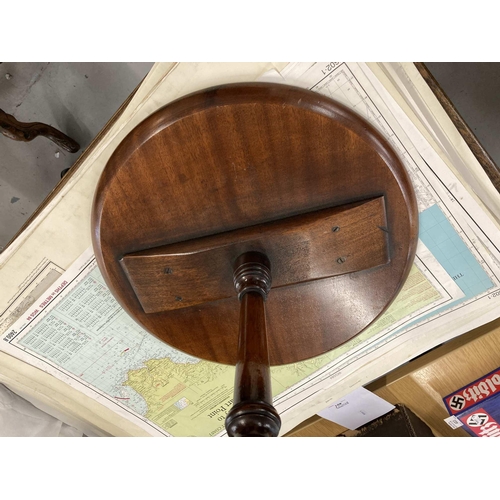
[453, 422]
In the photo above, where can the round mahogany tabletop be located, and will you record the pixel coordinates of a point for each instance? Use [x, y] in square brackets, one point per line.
[238, 156]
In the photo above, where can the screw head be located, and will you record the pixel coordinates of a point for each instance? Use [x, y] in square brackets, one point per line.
[178, 299]
[168, 270]
[335, 229]
[340, 260]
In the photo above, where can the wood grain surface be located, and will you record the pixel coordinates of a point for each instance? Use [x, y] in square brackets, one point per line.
[422, 383]
[253, 413]
[303, 248]
[242, 155]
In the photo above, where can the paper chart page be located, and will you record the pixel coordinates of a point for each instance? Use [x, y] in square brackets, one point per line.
[78, 333]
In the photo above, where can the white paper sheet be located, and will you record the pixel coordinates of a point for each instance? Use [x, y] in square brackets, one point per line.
[461, 274]
[356, 409]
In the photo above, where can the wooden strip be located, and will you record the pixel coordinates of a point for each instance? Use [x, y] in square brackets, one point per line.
[317, 245]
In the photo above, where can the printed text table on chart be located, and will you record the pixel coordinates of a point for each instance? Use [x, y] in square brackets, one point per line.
[77, 332]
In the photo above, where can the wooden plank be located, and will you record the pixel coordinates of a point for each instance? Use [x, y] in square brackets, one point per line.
[317, 245]
[422, 383]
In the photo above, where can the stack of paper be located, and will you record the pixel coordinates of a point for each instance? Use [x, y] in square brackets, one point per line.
[65, 337]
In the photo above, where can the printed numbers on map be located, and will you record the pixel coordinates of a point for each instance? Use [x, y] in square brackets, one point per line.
[329, 67]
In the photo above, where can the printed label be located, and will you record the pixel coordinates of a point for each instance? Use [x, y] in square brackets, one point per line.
[482, 424]
[468, 396]
[453, 422]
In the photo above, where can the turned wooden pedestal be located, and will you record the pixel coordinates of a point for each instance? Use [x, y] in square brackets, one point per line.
[256, 225]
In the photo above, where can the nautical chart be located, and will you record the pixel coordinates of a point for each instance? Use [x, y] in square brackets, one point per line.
[77, 331]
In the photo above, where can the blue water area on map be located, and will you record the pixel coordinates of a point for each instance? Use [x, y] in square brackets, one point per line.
[439, 236]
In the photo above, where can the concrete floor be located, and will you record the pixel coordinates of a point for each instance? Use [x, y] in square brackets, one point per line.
[79, 98]
[76, 98]
[474, 89]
